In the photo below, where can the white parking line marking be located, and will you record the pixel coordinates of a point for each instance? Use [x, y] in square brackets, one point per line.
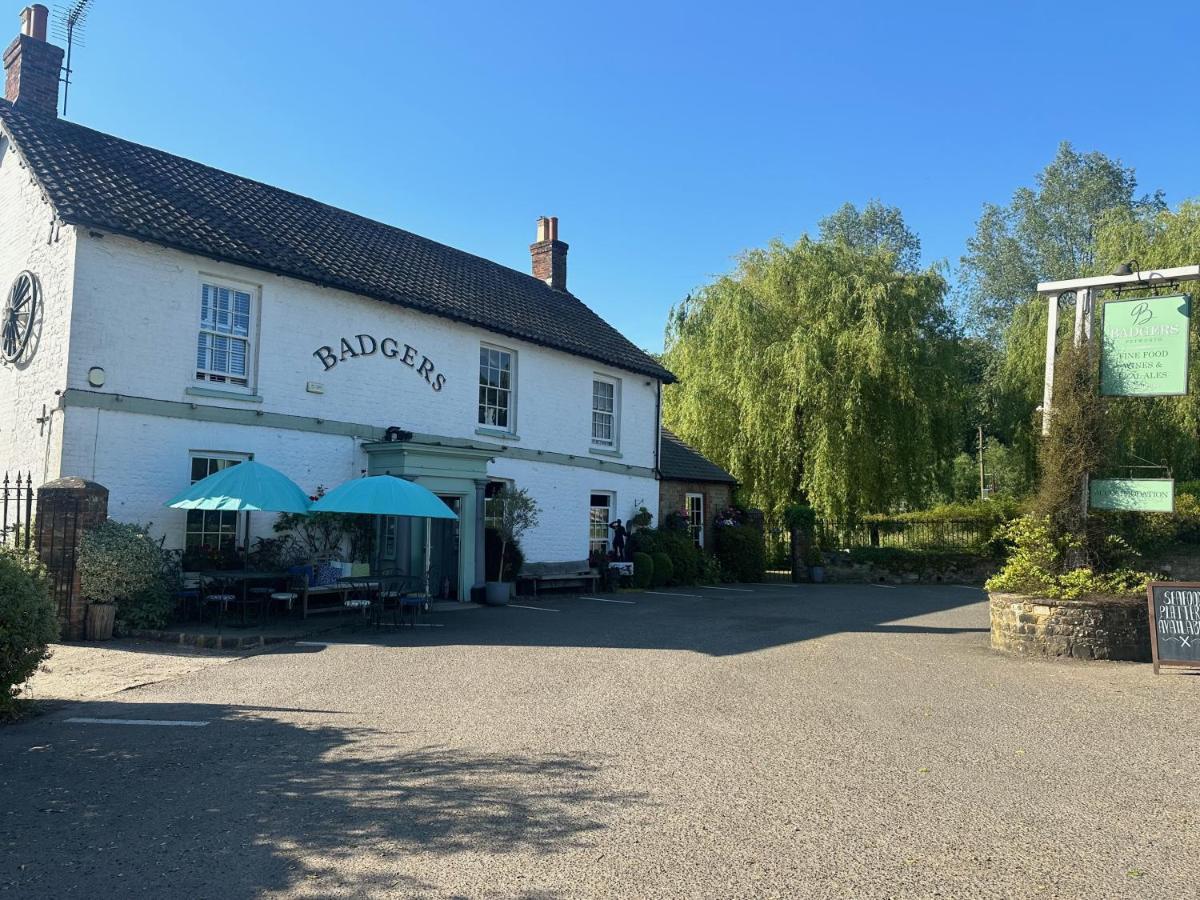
[709, 587]
[186, 723]
[538, 608]
[890, 587]
[606, 600]
[665, 594]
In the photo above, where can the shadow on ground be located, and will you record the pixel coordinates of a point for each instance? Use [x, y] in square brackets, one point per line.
[250, 803]
[718, 624]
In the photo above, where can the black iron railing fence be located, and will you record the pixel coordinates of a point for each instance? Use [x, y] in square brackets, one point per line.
[16, 511]
[964, 535]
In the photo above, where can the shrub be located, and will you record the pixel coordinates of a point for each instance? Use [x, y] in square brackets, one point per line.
[514, 557]
[28, 623]
[663, 570]
[121, 563]
[643, 570]
[686, 557]
[709, 571]
[740, 551]
[1036, 566]
[1149, 533]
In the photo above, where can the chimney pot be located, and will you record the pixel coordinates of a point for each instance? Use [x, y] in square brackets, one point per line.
[33, 21]
[549, 254]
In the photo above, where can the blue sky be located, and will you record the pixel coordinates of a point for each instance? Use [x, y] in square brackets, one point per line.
[666, 137]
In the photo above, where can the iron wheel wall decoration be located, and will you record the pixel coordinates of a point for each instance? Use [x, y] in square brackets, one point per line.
[20, 311]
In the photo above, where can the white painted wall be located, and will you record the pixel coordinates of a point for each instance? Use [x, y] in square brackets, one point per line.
[27, 241]
[137, 316]
[143, 460]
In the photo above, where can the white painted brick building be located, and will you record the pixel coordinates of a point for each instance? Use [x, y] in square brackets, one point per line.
[189, 316]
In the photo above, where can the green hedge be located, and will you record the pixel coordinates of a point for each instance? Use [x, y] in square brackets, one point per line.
[687, 560]
[28, 623]
[997, 511]
[904, 559]
[740, 551]
[663, 570]
[643, 570]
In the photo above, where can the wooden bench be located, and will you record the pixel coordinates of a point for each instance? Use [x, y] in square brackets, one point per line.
[558, 574]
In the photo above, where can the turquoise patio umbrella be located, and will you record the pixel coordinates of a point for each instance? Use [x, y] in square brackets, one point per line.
[387, 495]
[383, 495]
[247, 487]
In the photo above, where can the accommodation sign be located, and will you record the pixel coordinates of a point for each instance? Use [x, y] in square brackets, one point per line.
[367, 345]
[1144, 347]
[1132, 494]
[1174, 623]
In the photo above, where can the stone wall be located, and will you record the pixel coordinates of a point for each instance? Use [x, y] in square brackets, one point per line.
[1106, 628]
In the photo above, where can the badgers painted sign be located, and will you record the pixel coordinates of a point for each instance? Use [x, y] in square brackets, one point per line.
[367, 345]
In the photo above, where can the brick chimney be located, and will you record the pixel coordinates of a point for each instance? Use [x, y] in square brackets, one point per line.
[32, 66]
[549, 254]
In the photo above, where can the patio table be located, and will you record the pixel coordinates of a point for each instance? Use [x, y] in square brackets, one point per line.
[244, 576]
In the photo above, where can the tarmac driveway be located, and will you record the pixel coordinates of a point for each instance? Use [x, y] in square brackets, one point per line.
[751, 741]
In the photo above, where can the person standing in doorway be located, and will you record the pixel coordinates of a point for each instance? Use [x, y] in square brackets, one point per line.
[619, 533]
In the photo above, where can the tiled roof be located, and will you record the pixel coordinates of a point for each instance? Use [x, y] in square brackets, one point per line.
[682, 462]
[96, 180]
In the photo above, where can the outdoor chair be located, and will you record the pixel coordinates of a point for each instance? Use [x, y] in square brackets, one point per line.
[220, 594]
[289, 593]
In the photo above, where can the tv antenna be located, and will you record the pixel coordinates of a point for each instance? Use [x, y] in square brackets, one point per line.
[69, 23]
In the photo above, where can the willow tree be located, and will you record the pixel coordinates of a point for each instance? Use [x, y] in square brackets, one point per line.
[819, 371]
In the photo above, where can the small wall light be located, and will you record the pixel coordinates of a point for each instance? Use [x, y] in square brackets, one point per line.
[96, 377]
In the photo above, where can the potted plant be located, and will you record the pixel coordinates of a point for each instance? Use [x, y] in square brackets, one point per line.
[119, 564]
[518, 513]
[814, 559]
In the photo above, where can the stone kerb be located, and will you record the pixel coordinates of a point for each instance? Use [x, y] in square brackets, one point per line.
[1110, 628]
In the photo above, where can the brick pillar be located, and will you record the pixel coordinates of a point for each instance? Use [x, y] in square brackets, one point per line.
[67, 509]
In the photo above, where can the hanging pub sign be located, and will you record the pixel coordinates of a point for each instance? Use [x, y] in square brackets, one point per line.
[1174, 623]
[1144, 347]
[1132, 494]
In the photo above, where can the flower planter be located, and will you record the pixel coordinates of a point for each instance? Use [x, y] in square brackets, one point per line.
[496, 593]
[1116, 628]
[100, 618]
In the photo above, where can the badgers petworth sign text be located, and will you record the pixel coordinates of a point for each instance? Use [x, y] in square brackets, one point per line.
[1132, 494]
[390, 348]
[1144, 347]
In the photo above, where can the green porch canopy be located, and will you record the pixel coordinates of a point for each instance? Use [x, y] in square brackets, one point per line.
[383, 495]
[247, 487]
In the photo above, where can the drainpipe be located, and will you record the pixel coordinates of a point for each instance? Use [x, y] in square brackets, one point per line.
[657, 426]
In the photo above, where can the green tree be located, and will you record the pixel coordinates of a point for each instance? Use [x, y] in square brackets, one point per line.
[821, 371]
[874, 227]
[1046, 232]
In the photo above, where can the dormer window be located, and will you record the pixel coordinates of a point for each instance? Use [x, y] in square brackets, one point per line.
[223, 348]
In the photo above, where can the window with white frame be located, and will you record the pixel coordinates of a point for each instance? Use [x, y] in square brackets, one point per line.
[224, 344]
[493, 502]
[605, 395]
[598, 519]
[695, 516]
[214, 529]
[496, 385]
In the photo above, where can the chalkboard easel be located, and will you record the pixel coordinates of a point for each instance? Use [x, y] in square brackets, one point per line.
[1174, 624]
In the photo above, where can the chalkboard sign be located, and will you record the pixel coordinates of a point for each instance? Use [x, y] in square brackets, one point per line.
[1174, 623]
